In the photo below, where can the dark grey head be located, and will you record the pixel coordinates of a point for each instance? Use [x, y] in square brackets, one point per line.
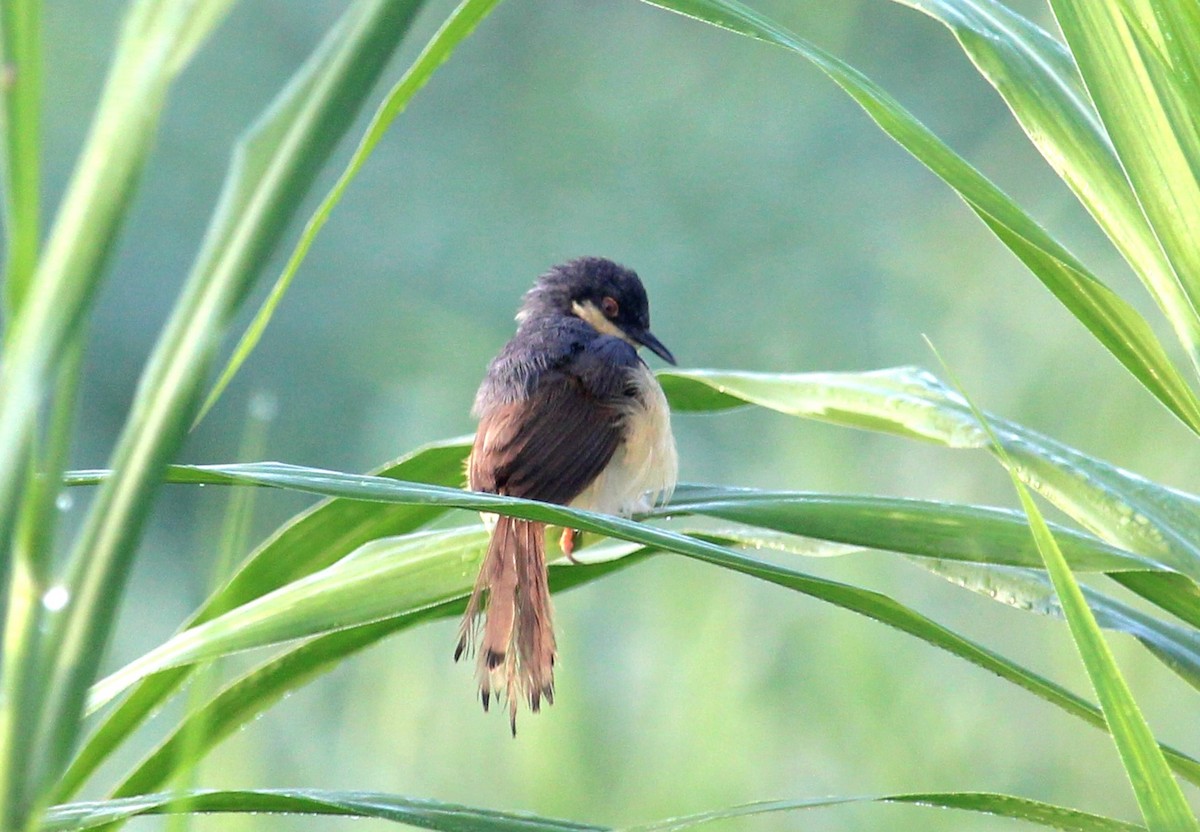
[606, 295]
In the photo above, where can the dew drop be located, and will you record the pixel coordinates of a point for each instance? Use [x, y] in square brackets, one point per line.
[64, 501]
[56, 598]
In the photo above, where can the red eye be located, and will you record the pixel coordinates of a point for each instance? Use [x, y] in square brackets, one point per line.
[610, 307]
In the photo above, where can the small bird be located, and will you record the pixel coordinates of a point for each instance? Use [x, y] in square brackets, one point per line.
[568, 413]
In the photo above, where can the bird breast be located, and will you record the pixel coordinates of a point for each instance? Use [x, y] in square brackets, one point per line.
[645, 466]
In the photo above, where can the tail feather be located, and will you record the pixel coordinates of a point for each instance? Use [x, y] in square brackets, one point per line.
[515, 645]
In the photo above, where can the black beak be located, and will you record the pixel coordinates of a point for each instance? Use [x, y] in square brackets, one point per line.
[647, 339]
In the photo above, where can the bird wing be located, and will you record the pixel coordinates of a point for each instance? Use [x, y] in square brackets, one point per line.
[549, 445]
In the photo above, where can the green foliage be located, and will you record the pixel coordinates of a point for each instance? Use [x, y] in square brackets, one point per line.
[1112, 109]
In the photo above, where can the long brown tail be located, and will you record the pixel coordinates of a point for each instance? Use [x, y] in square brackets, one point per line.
[516, 653]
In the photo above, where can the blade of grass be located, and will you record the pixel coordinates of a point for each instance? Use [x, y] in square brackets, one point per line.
[1000, 805]
[23, 665]
[1113, 322]
[244, 699]
[273, 166]
[311, 541]
[49, 310]
[869, 604]
[455, 29]
[1163, 806]
[87, 225]
[987, 535]
[1177, 647]
[1150, 520]
[449, 817]
[423, 814]
[21, 83]
[1150, 119]
[234, 537]
[926, 528]
[379, 580]
[1038, 79]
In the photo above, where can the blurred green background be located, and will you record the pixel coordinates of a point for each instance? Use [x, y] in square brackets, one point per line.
[776, 229]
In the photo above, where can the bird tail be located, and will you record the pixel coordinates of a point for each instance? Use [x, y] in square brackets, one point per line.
[515, 644]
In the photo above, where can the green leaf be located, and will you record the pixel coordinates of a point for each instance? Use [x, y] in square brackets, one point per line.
[273, 166]
[1115, 323]
[1147, 111]
[1127, 510]
[1159, 796]
[1031, 590]
[311, 541]
[1000, 805]
[870, 604]
[382, 579]
[455, 29]
[20, 154]
[424, 814]
[1039, 81]
[932, 529]
[449, 817]
[49, 310]
[258, 689]
[149, 55]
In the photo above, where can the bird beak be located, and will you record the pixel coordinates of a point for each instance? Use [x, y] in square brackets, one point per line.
[647, 339]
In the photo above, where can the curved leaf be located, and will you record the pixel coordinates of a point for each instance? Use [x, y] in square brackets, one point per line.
[456, 28]
[1149, 110]
[950, 531]
[1116, 324]
[1031, 590]
[1158, 794]
[379, 580]
[1150, 520]
[1000, 805]
[255, 691]
[450, 817]
[870, 604]
[1039, 81]
[424, 814]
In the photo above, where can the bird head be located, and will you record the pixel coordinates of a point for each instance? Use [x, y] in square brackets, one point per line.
[606, 295]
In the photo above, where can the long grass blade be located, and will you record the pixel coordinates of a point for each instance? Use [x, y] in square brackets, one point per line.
[1026, 589]
[1038, 79]
[87, 224]
[973, 536]
[21, 85]
[1116, 324]
[1158, 794]
[23, 663]
[424, 814]
[456, 28]
[245, 698]
[1148, 113]
[449, 817]
[189, 646]
[1000, 805]
[311, 541]
[272, 168]
[1150, 520]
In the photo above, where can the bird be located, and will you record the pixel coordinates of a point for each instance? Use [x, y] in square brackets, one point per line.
[569, 413]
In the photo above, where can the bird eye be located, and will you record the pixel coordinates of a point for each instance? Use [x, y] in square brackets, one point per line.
[610, 307]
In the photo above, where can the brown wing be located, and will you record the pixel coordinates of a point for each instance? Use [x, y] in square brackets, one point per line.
[547, 447]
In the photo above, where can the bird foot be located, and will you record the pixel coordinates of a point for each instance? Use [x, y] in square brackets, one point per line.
[567, 544]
